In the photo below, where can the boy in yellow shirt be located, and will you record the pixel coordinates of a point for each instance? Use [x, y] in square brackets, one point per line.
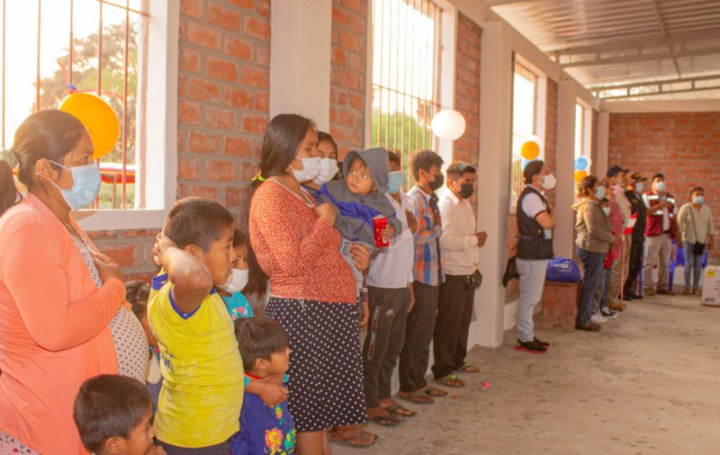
[202, 392]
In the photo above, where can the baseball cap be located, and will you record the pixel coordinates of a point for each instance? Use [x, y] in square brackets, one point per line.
[637, 177]
[615, 170]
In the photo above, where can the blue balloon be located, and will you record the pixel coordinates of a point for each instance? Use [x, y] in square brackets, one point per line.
[581, 163]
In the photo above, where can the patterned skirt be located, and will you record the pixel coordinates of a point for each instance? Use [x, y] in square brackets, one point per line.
[325, 376]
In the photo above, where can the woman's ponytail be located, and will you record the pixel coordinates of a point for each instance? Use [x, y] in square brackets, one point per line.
[8, 191]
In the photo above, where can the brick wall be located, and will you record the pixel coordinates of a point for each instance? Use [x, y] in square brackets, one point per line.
[683, 146]
[467, 88]
[348, 74]
[594, 143]
[223, 104]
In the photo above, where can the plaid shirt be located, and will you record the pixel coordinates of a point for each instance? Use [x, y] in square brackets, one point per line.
[427, 253]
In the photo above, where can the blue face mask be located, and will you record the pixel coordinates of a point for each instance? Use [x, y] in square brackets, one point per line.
[697, 200]
[600, 192]
[86, 184]
[395, 181]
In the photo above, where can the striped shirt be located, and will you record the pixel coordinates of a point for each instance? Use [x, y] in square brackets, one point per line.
[427, 258]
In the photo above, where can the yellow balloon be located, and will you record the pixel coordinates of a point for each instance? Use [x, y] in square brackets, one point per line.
[98, 117]
[530, 150]
[579, 175]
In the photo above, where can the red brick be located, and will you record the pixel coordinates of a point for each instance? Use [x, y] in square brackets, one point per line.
[246, 4]
[262, 102]
[202, 90]
[202, 36]
[349, 41]
[239, 47]
[356, 101]
[238, 146]
[339, 17]
[356, 6]
[189, 168]
[357, 63]
[220, 171]
[189, 112]
[192, 8]
[262, 55]
[350, 79]
[338, 56]
[258, 28]
[190, 60]
[123, 255]
[257, 77]
[224, 17]
[222, 119]
[238, 97]
[263, 8]
[199, 191]
[221, 69]
[203, 143]
[254, 123]
[233, 197]
[248, 171]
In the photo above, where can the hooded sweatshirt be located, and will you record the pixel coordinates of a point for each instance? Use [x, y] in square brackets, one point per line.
[355, 212]
[592, 226]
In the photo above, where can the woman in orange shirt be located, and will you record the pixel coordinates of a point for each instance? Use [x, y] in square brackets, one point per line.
[58, 295]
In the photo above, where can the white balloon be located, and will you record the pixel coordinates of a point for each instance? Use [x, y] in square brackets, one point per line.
[448, 124]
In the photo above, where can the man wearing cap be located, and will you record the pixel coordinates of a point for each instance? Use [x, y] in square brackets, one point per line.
[535, 219]
[617, 176]
[636, 227]
[659, 232]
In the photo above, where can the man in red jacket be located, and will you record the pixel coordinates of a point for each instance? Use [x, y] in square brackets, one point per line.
[661, 228]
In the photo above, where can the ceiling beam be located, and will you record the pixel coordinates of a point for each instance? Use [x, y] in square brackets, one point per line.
[598, 88]
[659, 86]
[655, 39]
[664, 92]
[598, 60]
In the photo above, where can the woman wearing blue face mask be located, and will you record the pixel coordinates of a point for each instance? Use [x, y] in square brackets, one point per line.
[594, 237]
[696, 226]
[61, 301]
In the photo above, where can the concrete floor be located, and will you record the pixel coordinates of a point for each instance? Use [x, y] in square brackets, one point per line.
[648, 383]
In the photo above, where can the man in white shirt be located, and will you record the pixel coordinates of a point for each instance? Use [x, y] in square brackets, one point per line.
[459, 248]
[390, 291]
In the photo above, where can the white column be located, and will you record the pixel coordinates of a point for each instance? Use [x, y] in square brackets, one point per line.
[563, 233]
[493, 181]
[603, 139]
[300, 53]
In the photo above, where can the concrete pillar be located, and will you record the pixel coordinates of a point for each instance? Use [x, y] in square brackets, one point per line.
[493, 180]
[563, 233]
[300, 59]
[603, 140]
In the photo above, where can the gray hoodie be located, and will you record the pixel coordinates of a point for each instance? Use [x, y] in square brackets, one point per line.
[353, 228]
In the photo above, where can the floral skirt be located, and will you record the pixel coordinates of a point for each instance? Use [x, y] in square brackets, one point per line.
[10, 445]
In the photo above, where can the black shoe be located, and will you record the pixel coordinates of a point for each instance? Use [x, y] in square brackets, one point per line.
[635, 296]
[544, 344]
[628, 297]
[589, 327]
[533, 347]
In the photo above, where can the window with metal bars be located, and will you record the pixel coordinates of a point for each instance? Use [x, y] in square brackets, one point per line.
[51, 46]
[405, 81]
[527, 124]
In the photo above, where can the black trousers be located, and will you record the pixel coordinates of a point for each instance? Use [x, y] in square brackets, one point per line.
[636, 259]
[384, 340]
[452, 325]
[415, 355]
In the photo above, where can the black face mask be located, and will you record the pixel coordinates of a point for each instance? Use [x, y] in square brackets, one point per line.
[466, 190]
[437, 183]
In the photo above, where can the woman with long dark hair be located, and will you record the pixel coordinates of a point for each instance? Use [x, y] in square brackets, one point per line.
[313, 292]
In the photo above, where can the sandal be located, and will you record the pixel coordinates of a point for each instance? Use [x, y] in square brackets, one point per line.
[416, 397]
[389, 420]
[435, 392]
[359, 439]
[451, 380]
[467, 368]
[401, 411]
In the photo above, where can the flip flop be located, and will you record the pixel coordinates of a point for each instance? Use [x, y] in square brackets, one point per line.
[451, 380]
[401, 411]
[435, 392]
[389, 420]
[467, 368]
[417, 398]
[359, 439]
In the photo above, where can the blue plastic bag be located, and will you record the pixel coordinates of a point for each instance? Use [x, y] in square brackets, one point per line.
[562, 270]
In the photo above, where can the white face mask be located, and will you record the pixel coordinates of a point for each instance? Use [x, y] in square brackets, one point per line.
[549, 182]
[310, 170]
[639, 187]
[328, 169]
[237, 281]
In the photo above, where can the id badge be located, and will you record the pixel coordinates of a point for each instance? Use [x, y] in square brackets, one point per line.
[547, 233]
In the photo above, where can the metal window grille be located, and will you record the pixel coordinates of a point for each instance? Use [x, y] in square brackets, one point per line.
[405, 83]
[96, 46]
[525, 124]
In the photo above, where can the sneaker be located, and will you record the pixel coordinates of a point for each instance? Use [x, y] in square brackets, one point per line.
[608, 313]
[532, 347]
[597, 318]
[544, 344]
[589, 327]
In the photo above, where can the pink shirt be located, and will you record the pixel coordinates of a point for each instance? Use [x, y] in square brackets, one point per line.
[53, 328]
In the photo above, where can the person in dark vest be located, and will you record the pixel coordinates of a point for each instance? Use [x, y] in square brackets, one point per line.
[660, 230]
[535, 220]
[636, 228]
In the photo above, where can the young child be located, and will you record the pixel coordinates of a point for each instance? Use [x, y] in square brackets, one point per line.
[202, 391]
[360, 199]
[231, 292]
[265, 352]
[114, 416]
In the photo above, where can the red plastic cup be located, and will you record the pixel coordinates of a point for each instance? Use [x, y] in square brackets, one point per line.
[379, 225]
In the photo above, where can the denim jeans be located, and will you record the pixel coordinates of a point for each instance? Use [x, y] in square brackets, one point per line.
[693, 264]
[593, 264]
[532, 281]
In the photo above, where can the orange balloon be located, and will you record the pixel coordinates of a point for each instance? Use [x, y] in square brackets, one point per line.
[98, 117]
[579, 175]
[530, 150]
